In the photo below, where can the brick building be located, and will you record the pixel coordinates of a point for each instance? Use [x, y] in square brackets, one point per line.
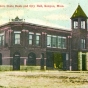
[23, 43]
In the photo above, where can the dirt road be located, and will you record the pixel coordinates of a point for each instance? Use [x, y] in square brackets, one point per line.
[43, 79]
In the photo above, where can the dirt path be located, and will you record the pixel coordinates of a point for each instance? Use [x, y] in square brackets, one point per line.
[47, 79]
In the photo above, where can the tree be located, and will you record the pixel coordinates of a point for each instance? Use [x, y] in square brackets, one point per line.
[58, 60]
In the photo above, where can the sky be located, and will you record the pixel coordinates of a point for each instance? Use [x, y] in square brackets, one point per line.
[53, 13]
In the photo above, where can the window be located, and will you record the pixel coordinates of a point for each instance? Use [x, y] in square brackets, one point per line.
[37, 39]
[61, 42]
[1, 40]
[31, 38]
[48, 40]
[54, 39]
[67, 56]
[82, 43]
[83, 24]
[75, 24]
[17, 37]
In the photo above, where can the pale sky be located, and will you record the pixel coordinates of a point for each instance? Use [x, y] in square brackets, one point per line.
[58, 17]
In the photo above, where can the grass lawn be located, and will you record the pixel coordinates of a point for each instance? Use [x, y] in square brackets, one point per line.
[43, 79]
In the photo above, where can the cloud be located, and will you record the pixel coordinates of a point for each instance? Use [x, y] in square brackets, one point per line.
[3, 3]
[3, 21]
[46, 23]
[12, 14]
[57, 17]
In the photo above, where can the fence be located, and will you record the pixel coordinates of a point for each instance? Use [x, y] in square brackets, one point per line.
[7, 64]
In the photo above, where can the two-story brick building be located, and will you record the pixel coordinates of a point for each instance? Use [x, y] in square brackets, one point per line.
[23, 43]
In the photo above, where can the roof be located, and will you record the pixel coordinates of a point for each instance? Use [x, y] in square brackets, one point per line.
[79, 13]
[8, 25]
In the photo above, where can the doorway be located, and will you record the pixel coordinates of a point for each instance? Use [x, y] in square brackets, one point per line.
[32, 59]
[83, 62]
[0, 59]
[16, 61]
[58, 60]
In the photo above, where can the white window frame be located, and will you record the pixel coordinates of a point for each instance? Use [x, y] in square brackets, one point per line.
[59, 42]
[18, 41]
[2, 42]
[37, 40]
[75, 24]
[53, 36]
[64, 47]
[82, 24]
[49, 43]
[30, 39]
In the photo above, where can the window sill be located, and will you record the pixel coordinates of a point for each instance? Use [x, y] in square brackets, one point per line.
[57, 47]
[83, 49]
[16, 44]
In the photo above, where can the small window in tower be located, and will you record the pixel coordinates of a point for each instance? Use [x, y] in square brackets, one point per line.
[75, 24]
[82, 43]
[82, 24]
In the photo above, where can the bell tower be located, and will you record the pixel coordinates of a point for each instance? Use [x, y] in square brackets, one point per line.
[79, 19]
[79, 42]
[79, 28]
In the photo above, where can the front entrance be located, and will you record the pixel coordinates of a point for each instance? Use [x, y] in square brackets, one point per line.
[57, 60]
[31, 59]
[42, 61]
[0, 59]
[82, 61]
[49, 60]
[16, 61]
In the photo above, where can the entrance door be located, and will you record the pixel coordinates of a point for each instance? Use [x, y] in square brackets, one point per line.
[0, 59]
[31, 59]
[83, 62]
[16, 61]
[49, 60]
[42, 61]
[64, 59]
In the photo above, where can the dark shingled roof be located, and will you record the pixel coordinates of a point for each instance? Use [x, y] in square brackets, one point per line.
[79, 13]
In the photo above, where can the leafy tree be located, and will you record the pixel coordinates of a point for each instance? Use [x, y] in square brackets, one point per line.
[58, 60]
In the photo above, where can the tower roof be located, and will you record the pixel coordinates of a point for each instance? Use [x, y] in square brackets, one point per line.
[79, 13]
